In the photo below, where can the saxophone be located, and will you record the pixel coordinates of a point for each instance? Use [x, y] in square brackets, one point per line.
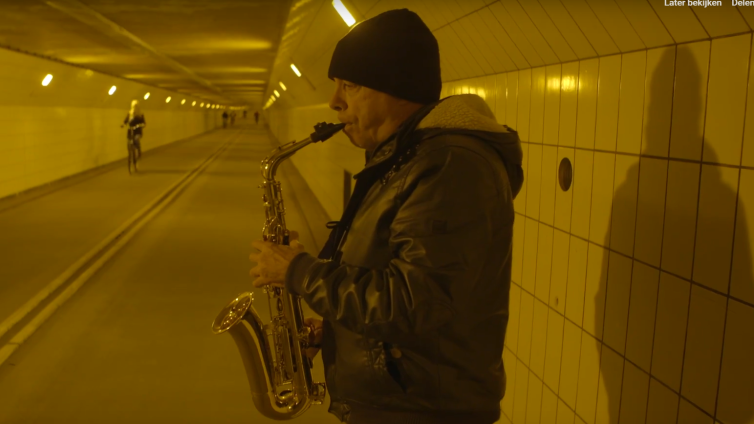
[277, 368]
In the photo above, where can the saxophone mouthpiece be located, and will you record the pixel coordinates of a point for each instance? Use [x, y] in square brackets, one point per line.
[323, 131]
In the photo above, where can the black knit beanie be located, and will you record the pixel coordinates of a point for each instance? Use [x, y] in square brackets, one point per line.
[393, 52]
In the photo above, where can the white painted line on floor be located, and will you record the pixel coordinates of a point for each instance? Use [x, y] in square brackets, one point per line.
[157, 205]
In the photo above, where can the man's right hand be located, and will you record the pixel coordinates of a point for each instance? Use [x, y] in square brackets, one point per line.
[315, 336]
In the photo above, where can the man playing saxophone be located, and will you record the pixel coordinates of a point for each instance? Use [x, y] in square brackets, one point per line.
[413, 283]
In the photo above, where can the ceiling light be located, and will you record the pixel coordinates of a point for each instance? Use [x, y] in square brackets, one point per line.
[276, 93]
[344, 13]
[295, 69]
[168, 100]
[282, 86]
[193, 104]
[112, 90]
[47, 80]
[202, 105]
[183, 101]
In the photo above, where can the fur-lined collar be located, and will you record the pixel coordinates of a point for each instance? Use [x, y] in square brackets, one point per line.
[462, 112]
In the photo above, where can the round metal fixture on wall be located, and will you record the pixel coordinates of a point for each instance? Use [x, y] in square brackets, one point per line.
[565, 174]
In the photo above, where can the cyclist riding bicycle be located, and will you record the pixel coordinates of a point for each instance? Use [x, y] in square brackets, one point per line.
[135, 121]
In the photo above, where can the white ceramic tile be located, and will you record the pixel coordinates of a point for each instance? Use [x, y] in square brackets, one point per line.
[608, 100]
[544, 263]
[719, 21]
[549, 31]
[742, 280]
[747, 158]
[704, 345]
[549, 184]
[734, 397]
[478, 48]
[650, 210]
[662, 406]
[645, 22]
[522, 387]
[582, 193]
[511, 106]
[526, 321]
[517, 256]
[552, 104]
[565, 414]
[501, 87]
[539, 339]
[617, 25]
[595, 290]
[680, 218]
[729, 69]
[493, 51]
[641, 315]
[591, 26]
[559, 275]
[589, 372]
[616, 302]
[602, 198]
[516, 34]
[631, 105]
[514, 313]
[564, 199]
[531, 236]
[611, 384]
[534, 400]
[501, 36]
[714, 237]
[690, 98]
[569, 28]
[549, 406]
[690, 414]
[681, 22]
[569, 366]
[670, 330]
[533, 187]
[634, 395]
[532, 33]
[576, 280]
[623, 214]
[658, 101]
[524, 102]
[553, 350]
[569, 96]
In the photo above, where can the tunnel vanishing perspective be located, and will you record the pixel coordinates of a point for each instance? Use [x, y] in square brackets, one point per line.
[631, 293]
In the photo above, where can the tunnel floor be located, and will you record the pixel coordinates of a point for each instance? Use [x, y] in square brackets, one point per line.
[134, 343]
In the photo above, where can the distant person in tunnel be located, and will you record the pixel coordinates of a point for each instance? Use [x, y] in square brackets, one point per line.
[658, 322]
[414, 281]
[225, 119]
[135, 121]
[244, 114]
[232, 118]
[256, 117]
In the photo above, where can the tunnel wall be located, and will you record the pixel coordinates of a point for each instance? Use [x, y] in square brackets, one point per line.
[73, 125]
[632, 296]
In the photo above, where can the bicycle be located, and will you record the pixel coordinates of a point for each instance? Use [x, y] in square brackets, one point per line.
[131, 148]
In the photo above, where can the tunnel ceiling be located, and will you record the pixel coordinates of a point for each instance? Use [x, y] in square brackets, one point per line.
[219, 50]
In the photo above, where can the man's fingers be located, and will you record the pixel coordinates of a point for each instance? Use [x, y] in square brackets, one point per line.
[293, 235]
[254, 257]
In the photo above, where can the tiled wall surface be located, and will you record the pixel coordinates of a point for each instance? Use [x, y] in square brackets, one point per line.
[633, 291]
[73, 125]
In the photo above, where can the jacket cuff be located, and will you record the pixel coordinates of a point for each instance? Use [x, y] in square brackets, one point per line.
[297, 270]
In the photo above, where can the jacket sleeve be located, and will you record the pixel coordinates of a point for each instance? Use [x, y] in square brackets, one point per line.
[440, 239]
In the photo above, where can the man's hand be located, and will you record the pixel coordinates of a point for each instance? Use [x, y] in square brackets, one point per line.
[273, 261]
[315, 336]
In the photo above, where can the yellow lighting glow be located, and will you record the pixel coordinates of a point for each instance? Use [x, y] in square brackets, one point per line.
[569, 83]
[194, 103]
[168, 100]
[282, 85]
[146, 96]
[202, 105]
[183, 101]
[295, 70]
[112, 90]
[343, 12]
[276, 93]
[47, 80]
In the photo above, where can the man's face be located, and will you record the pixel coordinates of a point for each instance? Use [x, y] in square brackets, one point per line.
[364, 111]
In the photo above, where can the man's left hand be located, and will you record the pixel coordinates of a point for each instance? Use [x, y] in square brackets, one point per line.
[273, 261]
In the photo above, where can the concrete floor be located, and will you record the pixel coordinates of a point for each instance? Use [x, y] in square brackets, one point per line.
[134, 344]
